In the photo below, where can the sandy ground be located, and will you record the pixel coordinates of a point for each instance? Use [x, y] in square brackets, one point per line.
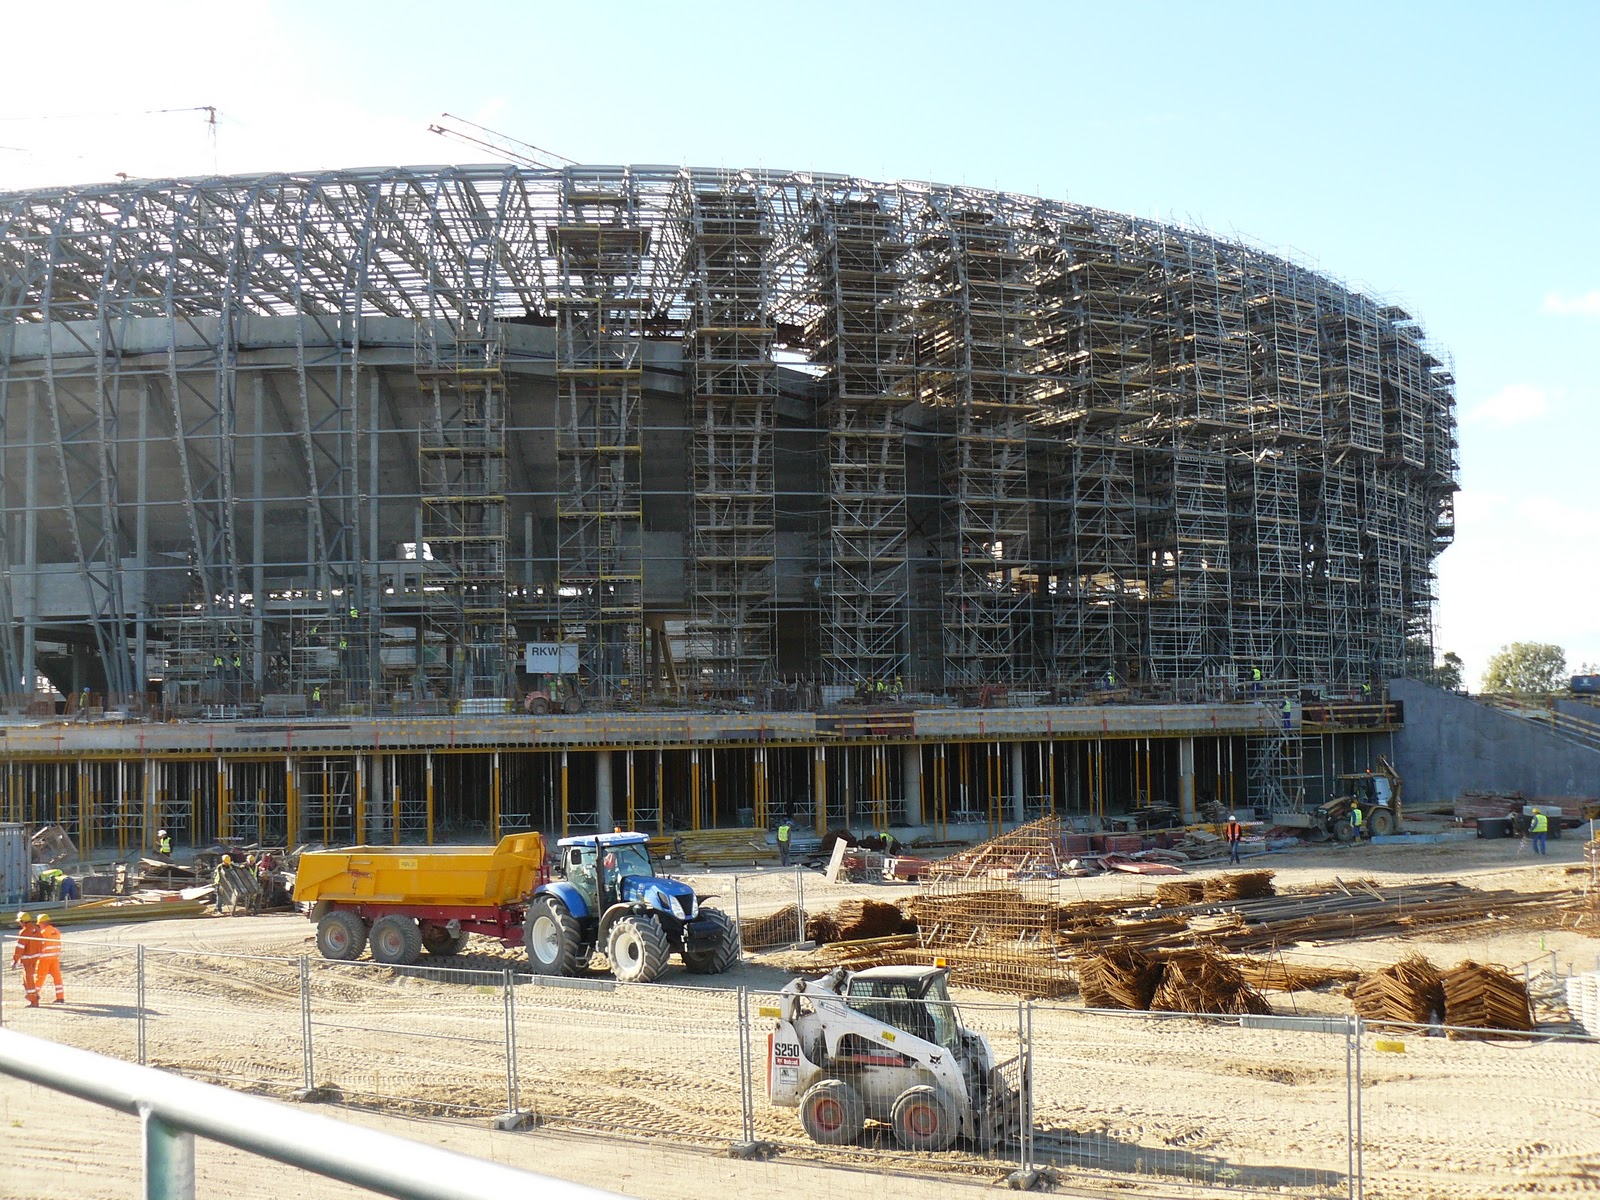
[1133, 1102]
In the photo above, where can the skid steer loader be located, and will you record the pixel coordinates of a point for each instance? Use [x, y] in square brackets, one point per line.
[886, 1044]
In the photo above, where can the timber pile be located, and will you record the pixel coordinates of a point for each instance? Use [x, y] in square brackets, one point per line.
[778, 929]
[1239, 885]
[720, 847]
[1483, 997]
[1202, 981]
[855, 920]
[1118, 979]
[1411, 991]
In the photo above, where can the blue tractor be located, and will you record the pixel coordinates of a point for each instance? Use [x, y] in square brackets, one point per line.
[610, 898]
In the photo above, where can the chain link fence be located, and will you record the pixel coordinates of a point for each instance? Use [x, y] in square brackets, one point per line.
[1311, 1106]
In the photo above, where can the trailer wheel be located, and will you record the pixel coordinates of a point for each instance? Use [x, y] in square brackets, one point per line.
[539, 705]
[1381, 821]
[436, 939]
[724, 956]
[552, 938]
[638, 950]
[922, 1119]
[341, 935]
[395, 940]
[832, 1112]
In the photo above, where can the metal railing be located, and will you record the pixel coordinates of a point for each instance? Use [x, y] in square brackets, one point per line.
[173, 1111]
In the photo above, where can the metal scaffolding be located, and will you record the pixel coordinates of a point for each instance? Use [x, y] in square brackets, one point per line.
[335, 442]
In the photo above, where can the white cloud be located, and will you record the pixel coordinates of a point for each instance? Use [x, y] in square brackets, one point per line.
[1585, 305]
[1509, 406]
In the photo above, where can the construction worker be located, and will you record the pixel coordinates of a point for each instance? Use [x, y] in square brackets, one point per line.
[163, 843]
[1358, 822]
[784, 830]
[50, 883]
[49, 959]
[1288, 715]
[1235, 833]
[218, 876]
[26, 956]
[1539, 826]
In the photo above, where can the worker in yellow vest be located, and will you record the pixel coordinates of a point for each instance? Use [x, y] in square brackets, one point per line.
[1358, 822]
[1539, 826]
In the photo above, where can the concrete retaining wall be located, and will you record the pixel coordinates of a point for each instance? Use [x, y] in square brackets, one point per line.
[1451, 744]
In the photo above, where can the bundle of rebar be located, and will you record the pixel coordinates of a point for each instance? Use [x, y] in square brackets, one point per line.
[1411, 991]
[856, 919]
[1238, 885]
[1180, 891]
[1202, 981]
[1118, 979]
[776, 929]
[1276, 975]
[1485, 997]
[1031, 850]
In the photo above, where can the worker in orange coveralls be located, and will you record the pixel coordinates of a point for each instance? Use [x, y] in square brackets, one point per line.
[49, 959]
[26, 955]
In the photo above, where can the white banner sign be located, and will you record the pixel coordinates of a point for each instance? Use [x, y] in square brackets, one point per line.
[552, 658]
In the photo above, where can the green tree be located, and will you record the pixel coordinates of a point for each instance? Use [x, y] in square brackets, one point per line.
[1448, 673]
[1526, 669]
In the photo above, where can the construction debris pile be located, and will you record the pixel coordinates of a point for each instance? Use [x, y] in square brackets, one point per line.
[855, 920]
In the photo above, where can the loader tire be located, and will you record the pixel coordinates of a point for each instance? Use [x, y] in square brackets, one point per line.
[832, 1112]
[438, 940]
[724, 956]
[1344, 831]
[395, 941]
[1380, 821]
[923, 1120]
[638, 950]
[552, 938]
[539, 706]
[341, 936]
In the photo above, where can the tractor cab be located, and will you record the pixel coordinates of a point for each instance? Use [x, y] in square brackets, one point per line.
[615, 868]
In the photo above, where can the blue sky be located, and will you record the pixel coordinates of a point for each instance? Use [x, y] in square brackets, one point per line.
[1442, 156]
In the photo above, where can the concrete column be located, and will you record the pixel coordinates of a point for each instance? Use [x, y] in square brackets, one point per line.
[603, 807]
[911, 773]
[1019, 785]
[1186, 809]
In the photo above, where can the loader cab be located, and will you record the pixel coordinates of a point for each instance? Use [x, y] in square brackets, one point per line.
[915, 999]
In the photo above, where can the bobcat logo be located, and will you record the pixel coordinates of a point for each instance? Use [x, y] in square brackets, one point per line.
[934, 1059]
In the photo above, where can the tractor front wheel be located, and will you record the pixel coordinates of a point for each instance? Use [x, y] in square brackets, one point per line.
[552, 937]
[724, 956]
[638, 950]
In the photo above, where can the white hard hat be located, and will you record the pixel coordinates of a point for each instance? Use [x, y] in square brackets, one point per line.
[161, 833]
[1231, 817]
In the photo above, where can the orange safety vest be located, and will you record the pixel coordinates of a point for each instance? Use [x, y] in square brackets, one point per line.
[49, 943]
[29, 946]
[1235, 831]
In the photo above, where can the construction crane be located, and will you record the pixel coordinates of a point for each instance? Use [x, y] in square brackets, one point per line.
[500, 145]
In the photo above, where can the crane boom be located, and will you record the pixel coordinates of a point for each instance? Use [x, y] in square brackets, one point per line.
[501, 145]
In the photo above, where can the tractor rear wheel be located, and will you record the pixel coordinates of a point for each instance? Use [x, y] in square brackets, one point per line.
[922, 1119]
[1381, 822]
[638, 950]
[724, 956]
[341, 936]
[552, 937]
[395, 940]
[832, 1112]
[437, 939]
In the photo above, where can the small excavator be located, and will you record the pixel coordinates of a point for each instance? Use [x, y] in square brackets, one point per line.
[1375, 792]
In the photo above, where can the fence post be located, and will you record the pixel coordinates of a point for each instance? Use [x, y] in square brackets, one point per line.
[2, 965]
[309, 1061]
[168, 1158]
[800, 904]
[738, 919]
[140, 1011]
[746, 1068]
[512, 1091]
[1027, 1088]
[1352, 1114]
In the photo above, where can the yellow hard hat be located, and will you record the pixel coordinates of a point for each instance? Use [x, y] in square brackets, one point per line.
[227, 860]
[24, 919]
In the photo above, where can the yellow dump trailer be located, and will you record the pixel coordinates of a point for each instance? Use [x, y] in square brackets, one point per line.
[402, 900]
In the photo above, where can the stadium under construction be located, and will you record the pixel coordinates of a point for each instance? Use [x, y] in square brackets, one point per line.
[426, 503]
